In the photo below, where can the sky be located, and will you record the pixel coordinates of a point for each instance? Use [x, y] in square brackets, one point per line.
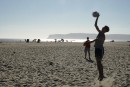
[40, 18]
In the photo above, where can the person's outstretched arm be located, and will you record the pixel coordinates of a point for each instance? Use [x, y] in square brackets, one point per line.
[96, 26]
[93, 40]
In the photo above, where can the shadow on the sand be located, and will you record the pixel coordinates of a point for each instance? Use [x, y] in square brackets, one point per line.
[91, 61]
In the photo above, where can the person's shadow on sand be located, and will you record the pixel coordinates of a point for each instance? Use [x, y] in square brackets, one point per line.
[91, 61]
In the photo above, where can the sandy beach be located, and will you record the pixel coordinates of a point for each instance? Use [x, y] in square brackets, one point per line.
[50, 64]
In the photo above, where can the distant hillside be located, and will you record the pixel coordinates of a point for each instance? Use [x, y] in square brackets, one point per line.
[124, 37]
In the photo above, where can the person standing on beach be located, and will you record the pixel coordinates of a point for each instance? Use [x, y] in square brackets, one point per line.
[99, 49]
[87, 45]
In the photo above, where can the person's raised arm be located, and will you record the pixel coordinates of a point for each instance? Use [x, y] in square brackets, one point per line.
[96, 26]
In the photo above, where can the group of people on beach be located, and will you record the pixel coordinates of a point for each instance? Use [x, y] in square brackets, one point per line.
[99, 49]
[34, 40]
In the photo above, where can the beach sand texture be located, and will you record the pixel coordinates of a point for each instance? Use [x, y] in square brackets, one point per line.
[51, 64]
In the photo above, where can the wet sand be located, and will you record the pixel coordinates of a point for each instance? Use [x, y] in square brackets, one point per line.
[51, 64]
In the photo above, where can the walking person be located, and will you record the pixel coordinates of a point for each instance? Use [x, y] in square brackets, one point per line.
[99, 49]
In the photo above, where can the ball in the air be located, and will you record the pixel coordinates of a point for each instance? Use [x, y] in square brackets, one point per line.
[95, 14]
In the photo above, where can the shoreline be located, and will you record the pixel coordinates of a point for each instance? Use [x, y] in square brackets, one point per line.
[57, 40]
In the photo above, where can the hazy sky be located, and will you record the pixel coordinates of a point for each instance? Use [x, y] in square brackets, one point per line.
[39, 18]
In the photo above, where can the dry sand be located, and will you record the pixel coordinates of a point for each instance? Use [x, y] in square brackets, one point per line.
[62, 65]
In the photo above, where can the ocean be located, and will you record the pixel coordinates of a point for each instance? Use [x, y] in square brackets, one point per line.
[52, 40]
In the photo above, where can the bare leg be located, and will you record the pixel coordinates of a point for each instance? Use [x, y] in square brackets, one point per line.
[85, 54]
[100, 69]
[89, 54]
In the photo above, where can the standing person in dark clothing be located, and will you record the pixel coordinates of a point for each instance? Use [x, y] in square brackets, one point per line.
[99, 49]
[87, 48]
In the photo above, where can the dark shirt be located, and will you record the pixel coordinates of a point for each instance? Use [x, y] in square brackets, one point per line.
[87, 44]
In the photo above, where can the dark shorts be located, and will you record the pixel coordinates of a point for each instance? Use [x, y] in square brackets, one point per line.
[99, 52]
[86, 49]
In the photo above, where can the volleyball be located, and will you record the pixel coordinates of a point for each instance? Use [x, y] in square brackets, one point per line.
[95, 14]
